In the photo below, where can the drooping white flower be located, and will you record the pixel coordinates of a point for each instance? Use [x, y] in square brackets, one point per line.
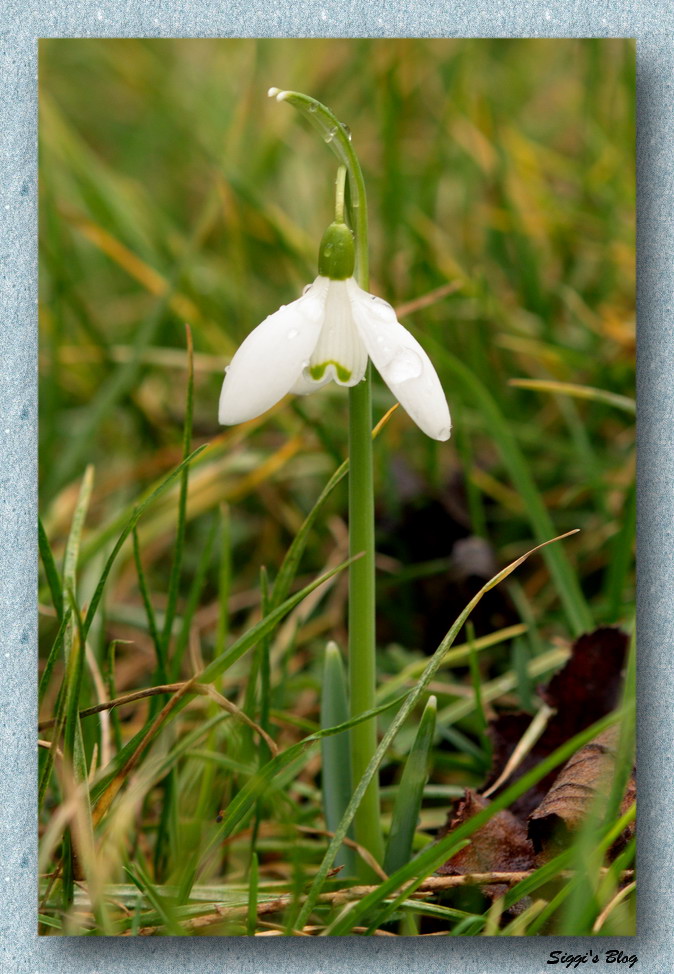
[328, 333]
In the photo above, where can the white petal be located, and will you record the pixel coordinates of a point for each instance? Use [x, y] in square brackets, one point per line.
[305, 384]
[402, 363]
[272, 357]
[339, 353]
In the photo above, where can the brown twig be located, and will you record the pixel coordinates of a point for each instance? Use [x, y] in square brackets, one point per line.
[338, 898]
[417, 304]
[361, 850]
[432, 884]
[127, 698]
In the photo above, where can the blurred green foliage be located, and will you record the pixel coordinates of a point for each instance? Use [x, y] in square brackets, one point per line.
[501, 187]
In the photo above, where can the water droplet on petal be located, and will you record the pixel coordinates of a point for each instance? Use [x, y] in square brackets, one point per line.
[293, 333]
[382, 309]
[312, 108]
[404, 365]
[307, 288]
[347, 130]
[227, 368]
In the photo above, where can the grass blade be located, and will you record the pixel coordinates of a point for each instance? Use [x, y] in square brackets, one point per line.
[431, 669]
[75, 536]
[570, 594]
[135, 517]
[578, 392]
[107, 790]
[50, 570]
[54, 653]
[335, 750]
[292, 557]
[410, 792]
[252, 896]
[147, 605]
[432, 857]
[176, 566]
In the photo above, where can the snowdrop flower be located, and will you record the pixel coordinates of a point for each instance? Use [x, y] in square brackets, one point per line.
[328, 334]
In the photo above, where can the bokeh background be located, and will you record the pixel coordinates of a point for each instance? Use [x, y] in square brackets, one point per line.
[501, 183]
[173, 190]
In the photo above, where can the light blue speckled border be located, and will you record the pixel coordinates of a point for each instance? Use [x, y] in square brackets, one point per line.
[652, 22]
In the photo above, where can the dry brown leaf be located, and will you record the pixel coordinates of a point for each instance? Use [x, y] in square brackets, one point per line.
[501, 845]
[585, 689]
[584, 780]
[582, 692]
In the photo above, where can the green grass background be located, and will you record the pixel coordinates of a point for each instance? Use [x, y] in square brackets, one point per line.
[173, 190]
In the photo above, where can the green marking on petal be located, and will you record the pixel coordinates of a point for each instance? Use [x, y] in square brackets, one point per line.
[318, 371]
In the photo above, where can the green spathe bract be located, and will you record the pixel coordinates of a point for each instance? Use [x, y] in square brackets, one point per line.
[337, 253]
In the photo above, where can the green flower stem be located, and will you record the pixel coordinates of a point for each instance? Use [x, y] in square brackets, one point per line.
[337, 136]
[362, 647]
[340, 186]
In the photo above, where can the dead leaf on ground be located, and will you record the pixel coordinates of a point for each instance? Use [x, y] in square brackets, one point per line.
[502, 845]
[586, 689]
[584, 781]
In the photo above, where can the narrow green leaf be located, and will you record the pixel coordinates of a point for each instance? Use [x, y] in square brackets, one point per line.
[192, 601]
[72, 551]
[149, 610]
[135, 517]
[263, 651]
[621, 557]
[140, 878]
[410, 792]
[476, 681]
[542, 876]
[252, 896]
[73, 748]
[217, 667]
[54, 653]
[558, 564]
[291, 561]
[72, 685]
[520, 661]
[50, 569]
[224, 580]
[335, 750]
[270, 773]
[431, 669]
[432, 857]
[605, 396]
[176, 565]
[245, 642]
[111, 687]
